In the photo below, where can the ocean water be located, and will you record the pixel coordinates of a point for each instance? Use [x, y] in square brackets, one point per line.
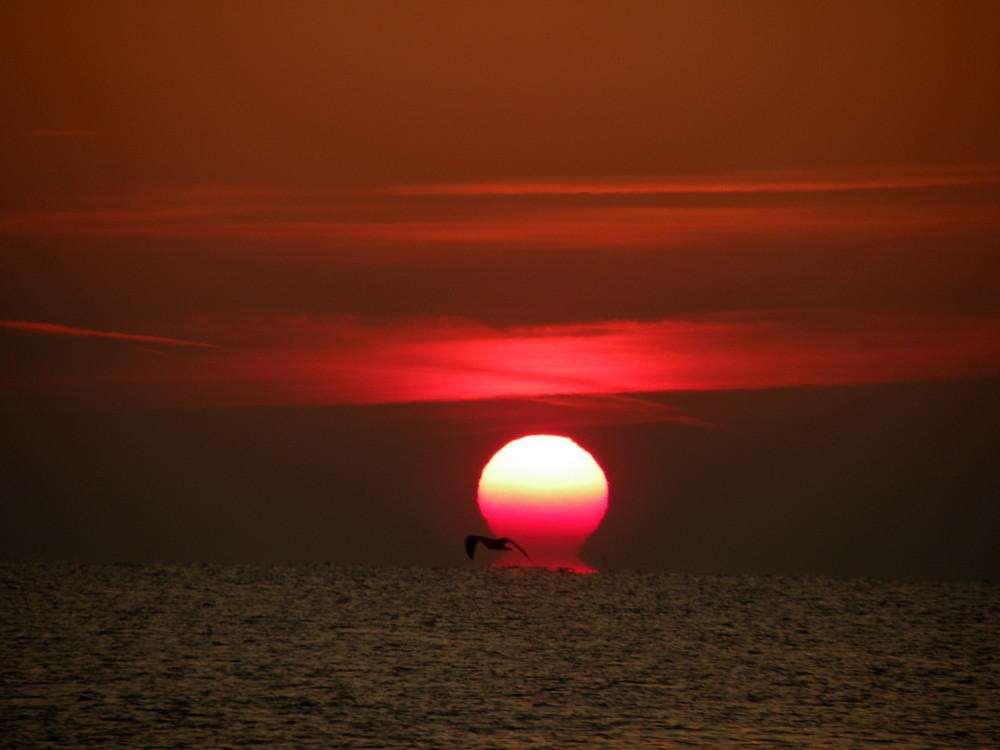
[323, 656]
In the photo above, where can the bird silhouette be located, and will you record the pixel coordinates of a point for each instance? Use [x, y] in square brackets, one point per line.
[501, 543]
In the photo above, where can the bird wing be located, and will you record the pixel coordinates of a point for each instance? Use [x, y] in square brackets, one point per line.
[520, 548]
[470, 545]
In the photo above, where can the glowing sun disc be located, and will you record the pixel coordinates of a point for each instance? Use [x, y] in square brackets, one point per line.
[547, 492]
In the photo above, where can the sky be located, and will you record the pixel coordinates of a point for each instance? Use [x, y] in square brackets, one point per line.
[278, 279]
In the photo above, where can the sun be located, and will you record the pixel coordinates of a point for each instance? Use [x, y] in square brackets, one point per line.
[548, 494]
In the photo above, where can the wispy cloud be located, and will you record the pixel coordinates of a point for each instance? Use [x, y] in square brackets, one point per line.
[54, 329]
[618, 407]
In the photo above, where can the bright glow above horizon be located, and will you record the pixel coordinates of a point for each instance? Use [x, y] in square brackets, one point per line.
[546, 492]
[299, 360]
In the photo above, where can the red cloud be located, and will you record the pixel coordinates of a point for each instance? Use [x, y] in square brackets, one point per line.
[303, 361]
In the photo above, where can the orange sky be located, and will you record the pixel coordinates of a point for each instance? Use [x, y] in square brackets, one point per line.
[329, 203]
[144, 145]
[380, 93]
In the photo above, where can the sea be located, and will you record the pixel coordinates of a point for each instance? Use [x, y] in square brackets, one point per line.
[328, 656]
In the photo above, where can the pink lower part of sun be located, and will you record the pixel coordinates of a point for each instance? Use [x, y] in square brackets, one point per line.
[552, 539]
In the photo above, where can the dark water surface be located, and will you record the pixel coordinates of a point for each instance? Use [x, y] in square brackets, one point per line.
[212, 656]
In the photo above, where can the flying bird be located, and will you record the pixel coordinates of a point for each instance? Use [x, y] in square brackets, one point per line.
[501, 543]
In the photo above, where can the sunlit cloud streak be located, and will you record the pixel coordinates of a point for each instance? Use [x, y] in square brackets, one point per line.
[778, 181]
[563, 215]
[53, 329]
[297, 360]
[559, 228]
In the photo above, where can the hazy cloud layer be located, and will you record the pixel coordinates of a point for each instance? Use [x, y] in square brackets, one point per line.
[563, 215]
